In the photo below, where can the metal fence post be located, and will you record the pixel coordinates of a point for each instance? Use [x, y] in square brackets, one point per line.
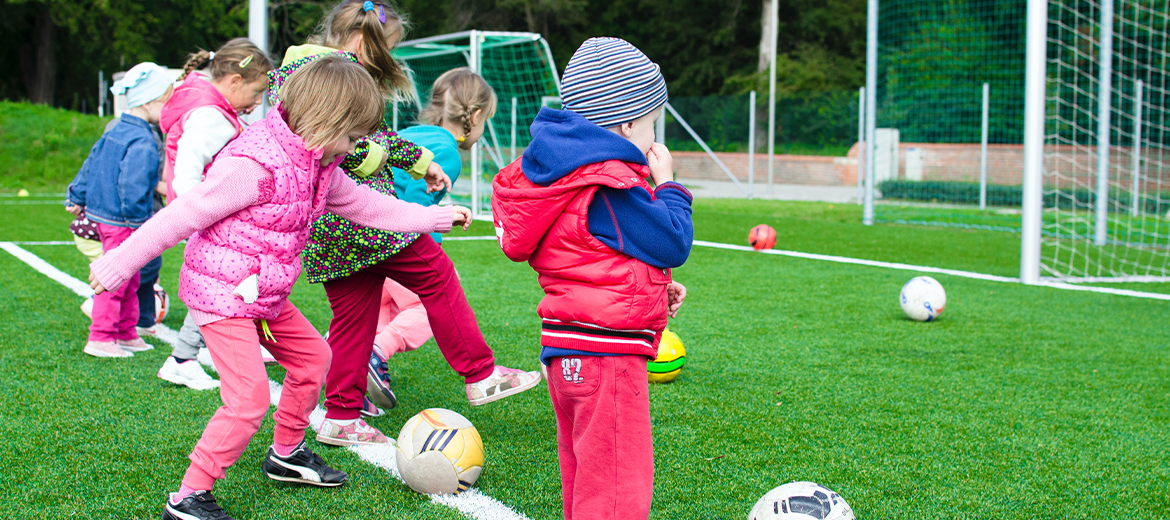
[1104, 106]
[983, 147]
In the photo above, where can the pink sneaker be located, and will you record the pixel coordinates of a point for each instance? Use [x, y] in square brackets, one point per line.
[105, 349]
[502, 383]
[357, 433]
[134, 345]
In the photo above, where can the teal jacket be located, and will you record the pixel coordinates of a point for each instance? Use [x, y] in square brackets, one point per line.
[440, 142]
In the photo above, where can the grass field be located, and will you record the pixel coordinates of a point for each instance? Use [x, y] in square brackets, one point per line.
[1020, 402]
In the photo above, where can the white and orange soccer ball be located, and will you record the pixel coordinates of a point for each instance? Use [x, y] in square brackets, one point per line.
[923, 298]
[439, 451]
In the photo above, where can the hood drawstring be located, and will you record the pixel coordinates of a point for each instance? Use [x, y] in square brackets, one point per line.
[267, 333]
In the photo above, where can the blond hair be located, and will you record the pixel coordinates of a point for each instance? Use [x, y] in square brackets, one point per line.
[347, 19]
[329, 98]
[455, 97]
[237, 56]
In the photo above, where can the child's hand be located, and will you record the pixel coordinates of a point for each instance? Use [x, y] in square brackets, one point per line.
[675, 293]
[97, 286]
[462, 217]
[437, 180]
[74, 209]
[661, 164]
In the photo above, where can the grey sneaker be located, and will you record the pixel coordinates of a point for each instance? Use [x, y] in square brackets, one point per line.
[502, 383]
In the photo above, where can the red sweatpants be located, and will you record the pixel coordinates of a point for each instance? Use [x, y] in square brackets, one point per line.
[424, 269]
[603, 436]
[235, 346]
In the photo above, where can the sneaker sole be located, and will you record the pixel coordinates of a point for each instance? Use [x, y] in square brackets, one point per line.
[302, 481]
[377, 395]
[171, 514]
[379, 414]
[341, 442]
[101, 353]
[194, 385]
[506, 393]
[136, 349]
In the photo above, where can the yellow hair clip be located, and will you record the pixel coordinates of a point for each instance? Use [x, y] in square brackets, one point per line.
[244, 62]
[461, 138]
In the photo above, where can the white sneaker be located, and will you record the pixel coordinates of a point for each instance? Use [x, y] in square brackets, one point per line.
[105, 349]
[267, 357]
[189, 374]
[502, 383]
[147, 331]
[134, 345]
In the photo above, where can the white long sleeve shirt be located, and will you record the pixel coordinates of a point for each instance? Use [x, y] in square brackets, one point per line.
[205, 133]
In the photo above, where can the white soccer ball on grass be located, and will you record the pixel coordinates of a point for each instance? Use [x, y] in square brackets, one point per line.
[801, 501]
[923, 298]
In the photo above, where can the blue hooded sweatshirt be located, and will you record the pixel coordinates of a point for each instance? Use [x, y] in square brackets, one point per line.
[654, 229]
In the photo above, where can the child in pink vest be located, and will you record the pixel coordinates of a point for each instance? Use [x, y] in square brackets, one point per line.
[199, 120]
[248, 222]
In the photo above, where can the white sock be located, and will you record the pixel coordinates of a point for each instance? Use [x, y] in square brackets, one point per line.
[343, 422]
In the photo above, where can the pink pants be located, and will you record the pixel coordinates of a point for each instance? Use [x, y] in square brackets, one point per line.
[115, 313]
[235, 346]
[402, 321]
[604, 444]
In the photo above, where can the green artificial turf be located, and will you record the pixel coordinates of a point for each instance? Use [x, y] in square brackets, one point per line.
[1020, 402]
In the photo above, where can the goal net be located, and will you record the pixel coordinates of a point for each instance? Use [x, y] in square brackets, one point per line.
[1107, 170]
[518, 66]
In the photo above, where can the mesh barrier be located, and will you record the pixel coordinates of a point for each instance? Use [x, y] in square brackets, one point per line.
[1134, 242]
[812, 123]
[519, 68]
[934, 59]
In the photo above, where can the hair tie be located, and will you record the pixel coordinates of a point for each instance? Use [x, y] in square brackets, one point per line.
[382, 13]
[210, 55]
[461, 138]
[368, 6]
[244, 62]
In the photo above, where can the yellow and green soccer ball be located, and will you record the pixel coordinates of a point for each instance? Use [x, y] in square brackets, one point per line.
[439, 451]
[671, 358]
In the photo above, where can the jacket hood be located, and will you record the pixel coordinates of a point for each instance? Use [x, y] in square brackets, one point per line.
[563, 141]
[194, 92]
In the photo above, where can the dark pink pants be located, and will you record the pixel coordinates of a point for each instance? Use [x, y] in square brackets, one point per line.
[115, 313]
[424, 269]
[603, 436]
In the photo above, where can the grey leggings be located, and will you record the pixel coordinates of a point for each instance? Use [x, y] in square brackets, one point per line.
[190, 340]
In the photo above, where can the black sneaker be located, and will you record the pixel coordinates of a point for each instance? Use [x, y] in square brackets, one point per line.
[199, 505]
[302, 466]
[378, 382]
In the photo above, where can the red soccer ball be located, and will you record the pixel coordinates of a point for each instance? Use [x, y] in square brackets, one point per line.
[762, 237]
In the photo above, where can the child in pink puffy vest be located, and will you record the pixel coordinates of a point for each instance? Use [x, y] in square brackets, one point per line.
[248, 222]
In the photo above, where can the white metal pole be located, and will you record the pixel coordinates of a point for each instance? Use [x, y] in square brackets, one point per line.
[476, 167]
[983, 147]
[1035, 80]
[1104, 106]
[660, 128]
[751, 144]
[861, 145]
[1137, 147]
[394, 122]
[513, 130]
[871, 52]
[101, 94]
[258, 33]
[774, 21]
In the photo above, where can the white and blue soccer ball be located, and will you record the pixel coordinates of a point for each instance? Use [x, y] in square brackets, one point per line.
[923, 298]
[801, 501]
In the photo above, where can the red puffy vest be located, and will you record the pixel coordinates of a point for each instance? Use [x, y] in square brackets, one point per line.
[587, 285]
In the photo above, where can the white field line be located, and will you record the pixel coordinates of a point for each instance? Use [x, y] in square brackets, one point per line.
[1054, 284]
[472, 503]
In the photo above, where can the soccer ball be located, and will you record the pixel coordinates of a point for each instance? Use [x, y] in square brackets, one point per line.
[923, 298]
[161, 303]
[762, 237]
[439, 451]
[801, 501]
[670, 360]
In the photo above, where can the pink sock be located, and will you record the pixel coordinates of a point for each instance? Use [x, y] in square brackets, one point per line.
[283, 450]
[184, 491]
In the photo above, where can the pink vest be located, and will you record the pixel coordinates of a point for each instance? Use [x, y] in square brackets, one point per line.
[265, 239]
[194, 92]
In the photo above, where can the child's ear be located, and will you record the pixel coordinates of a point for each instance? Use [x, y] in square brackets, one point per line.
[236, 82]
[476, 117]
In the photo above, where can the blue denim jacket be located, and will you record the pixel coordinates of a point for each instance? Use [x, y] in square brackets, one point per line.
[117, 181]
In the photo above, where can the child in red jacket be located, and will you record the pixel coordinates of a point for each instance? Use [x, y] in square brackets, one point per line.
[578, 208]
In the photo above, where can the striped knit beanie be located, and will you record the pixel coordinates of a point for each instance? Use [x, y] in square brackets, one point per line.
[610, 82]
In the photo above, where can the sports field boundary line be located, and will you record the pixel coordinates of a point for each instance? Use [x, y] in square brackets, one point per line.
[472, 503]
[824, 258]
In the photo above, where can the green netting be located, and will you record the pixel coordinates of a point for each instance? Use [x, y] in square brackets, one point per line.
[519, 68]
[933, 61]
